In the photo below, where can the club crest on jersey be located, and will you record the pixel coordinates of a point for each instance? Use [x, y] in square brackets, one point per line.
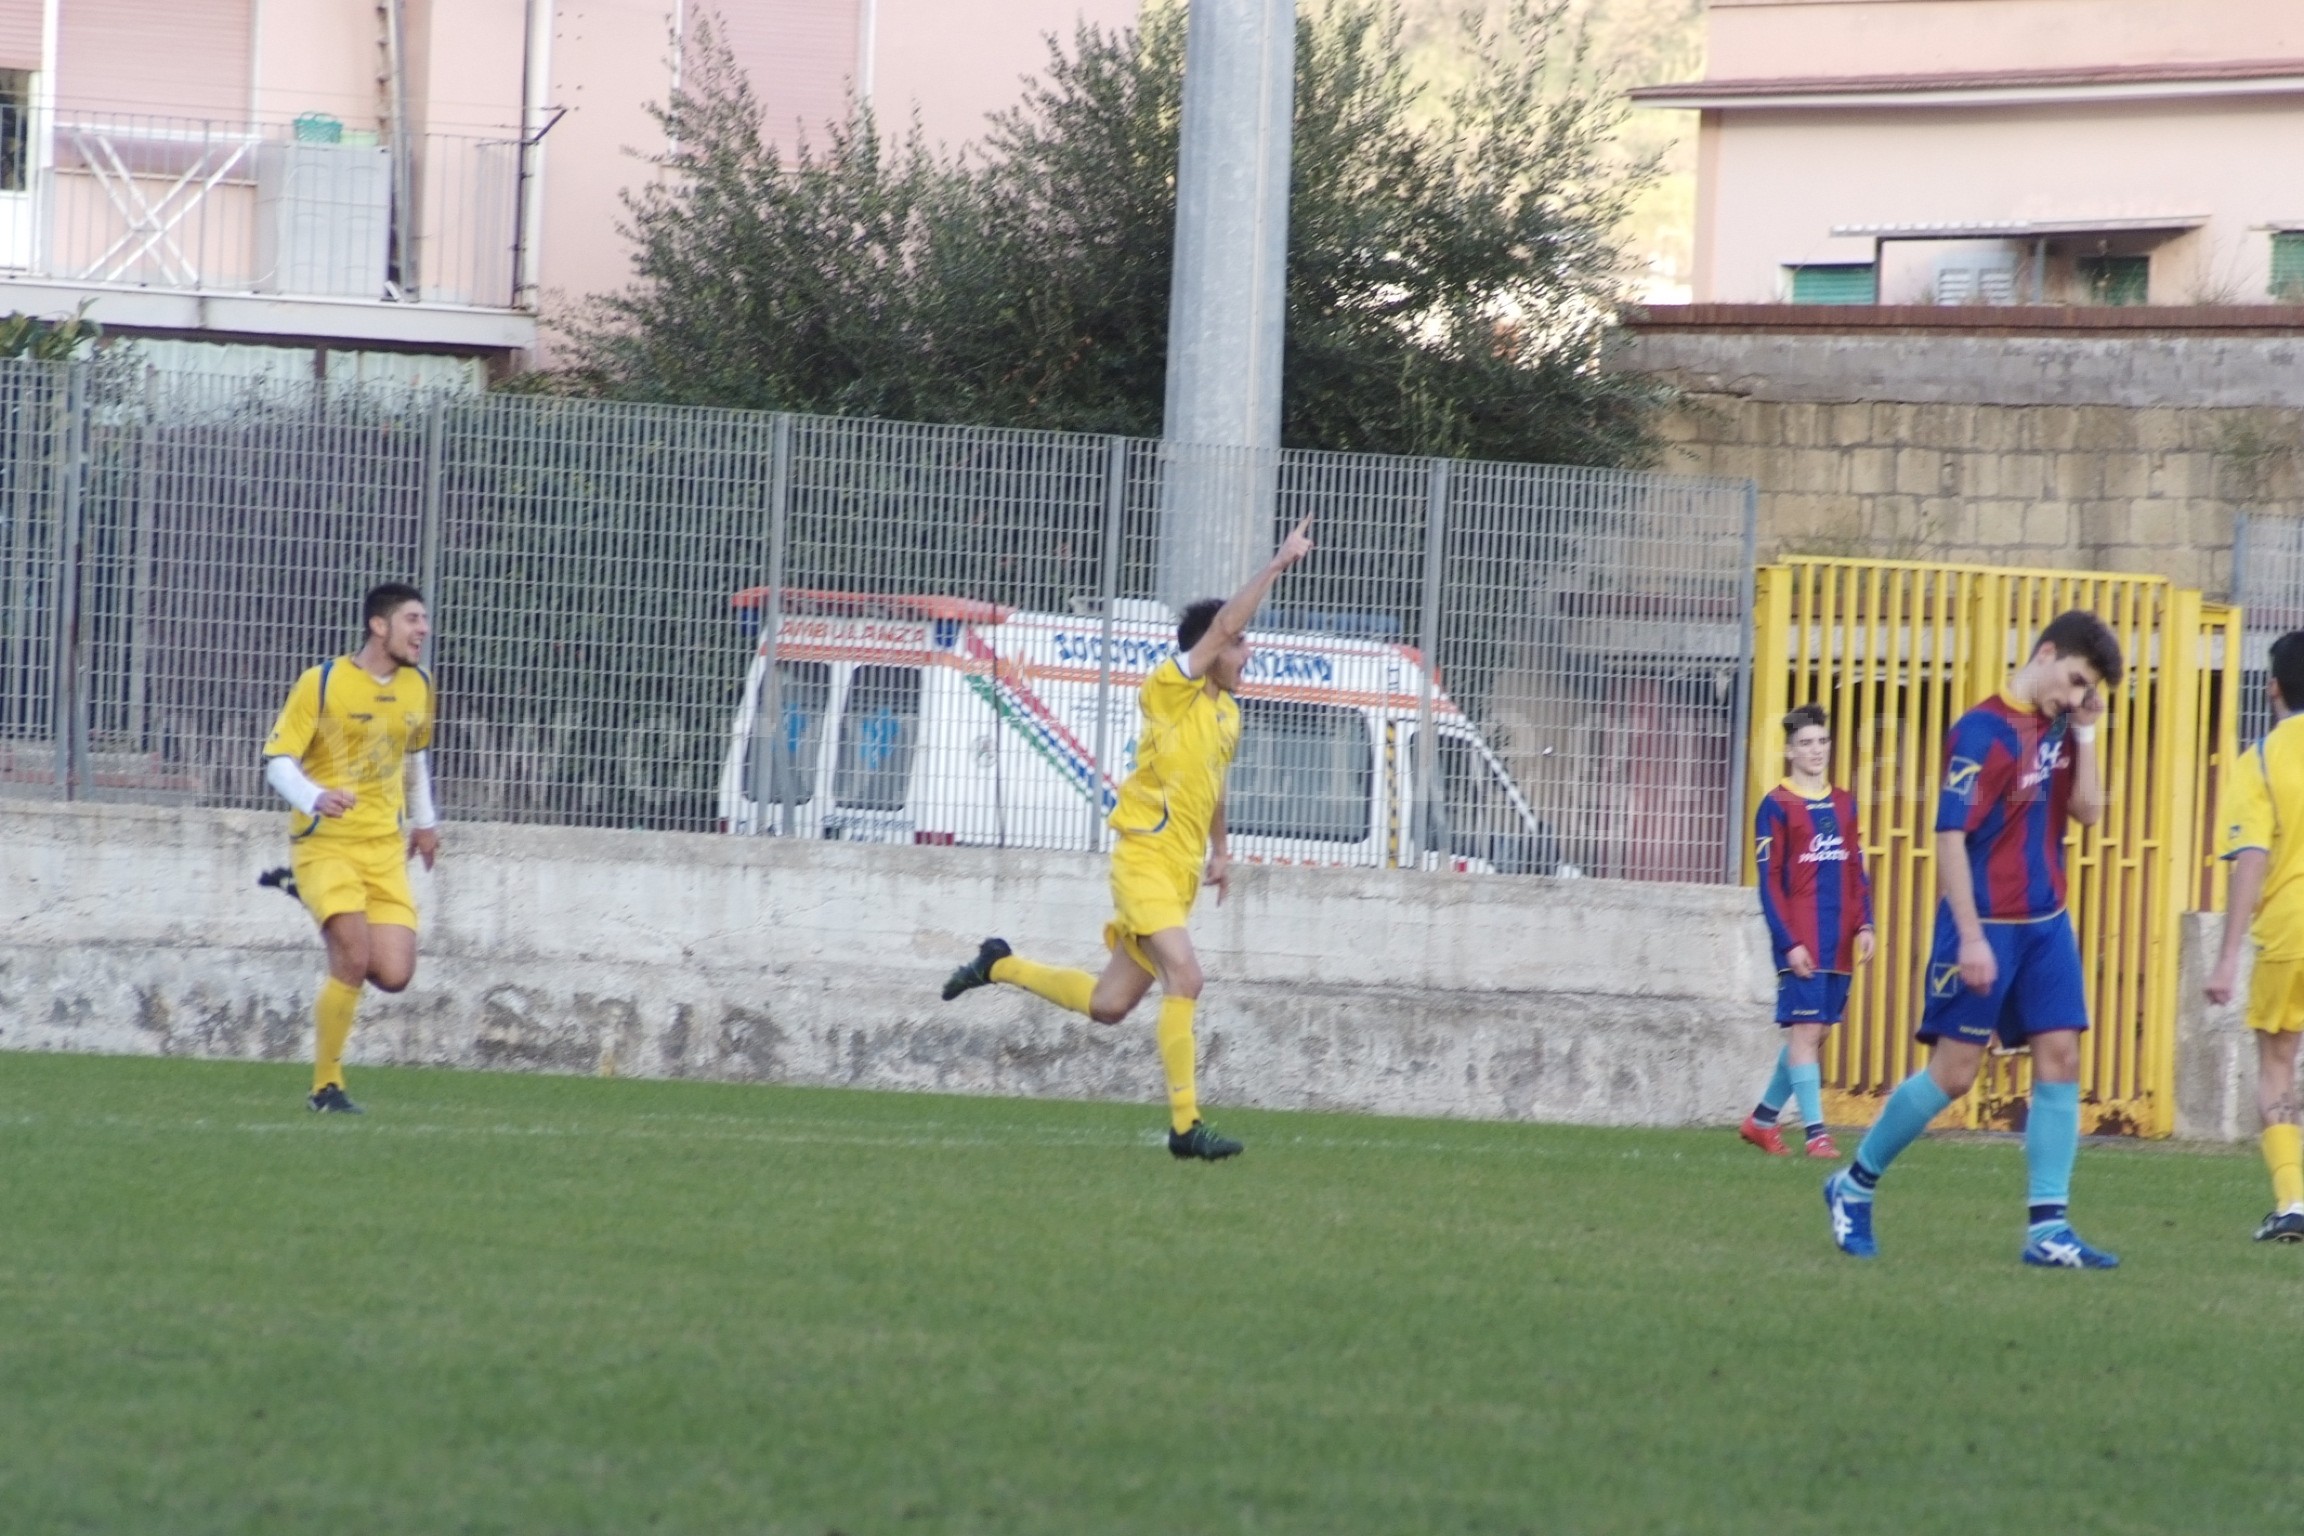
[1960, 776]
[2045, 761]
[1942, 979]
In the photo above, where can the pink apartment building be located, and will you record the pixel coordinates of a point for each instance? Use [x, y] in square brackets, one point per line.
[414, 183]
[1998, 151]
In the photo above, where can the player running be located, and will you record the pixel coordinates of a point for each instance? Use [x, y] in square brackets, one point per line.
[1818, 904]
[2262, 838]
[2005, 961]
[353, 731]
[1170, 817]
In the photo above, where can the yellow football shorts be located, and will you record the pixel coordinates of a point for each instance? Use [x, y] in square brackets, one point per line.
[1153, 887]
[2276, 996]
[367, 874]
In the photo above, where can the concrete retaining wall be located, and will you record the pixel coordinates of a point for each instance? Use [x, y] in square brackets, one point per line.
[136, 930]
[139, 930]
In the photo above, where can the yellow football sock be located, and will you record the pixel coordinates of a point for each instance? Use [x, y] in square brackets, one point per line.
[1065, 988]
[332, 1026]
[2284, 1155]
[1174, 1033]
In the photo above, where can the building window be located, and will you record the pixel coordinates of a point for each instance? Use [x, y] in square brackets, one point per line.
[15, 119]
[1976, 285]
[1836, 283]
[2288, 265]
[2115, 279]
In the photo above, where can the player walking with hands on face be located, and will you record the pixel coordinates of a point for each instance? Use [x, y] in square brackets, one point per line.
[1170, 820]
[1818, 904]
[349, 753]
[2017, 767]
[2264, 839]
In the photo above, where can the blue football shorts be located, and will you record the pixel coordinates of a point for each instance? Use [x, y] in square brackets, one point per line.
[1820, 999]
[2038, 990]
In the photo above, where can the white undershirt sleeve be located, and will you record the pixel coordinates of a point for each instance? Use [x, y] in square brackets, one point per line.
[421, 811]
[286, 775]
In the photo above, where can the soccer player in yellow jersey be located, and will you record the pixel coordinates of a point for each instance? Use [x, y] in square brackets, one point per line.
[2264, 839]
[353, 735]
[1170, 818]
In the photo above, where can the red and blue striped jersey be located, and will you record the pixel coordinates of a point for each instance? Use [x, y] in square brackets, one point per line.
[2008, 786]
[1812, 886]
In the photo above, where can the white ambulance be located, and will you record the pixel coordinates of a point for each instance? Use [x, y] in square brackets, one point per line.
[935, 719]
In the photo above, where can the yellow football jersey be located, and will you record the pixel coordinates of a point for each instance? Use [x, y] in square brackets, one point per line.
[1183, 749]
[2264, 808]
[350, 731]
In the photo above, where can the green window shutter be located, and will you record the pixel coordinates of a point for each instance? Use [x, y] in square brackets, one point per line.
[2116, 279]
[2288, 265]
[1840, 283]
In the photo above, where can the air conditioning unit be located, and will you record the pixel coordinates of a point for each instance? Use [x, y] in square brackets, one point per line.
[323, 219]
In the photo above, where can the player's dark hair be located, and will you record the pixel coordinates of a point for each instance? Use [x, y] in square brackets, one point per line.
[1193, 622]
[1802, 718]
[385, 600]
[2085, 637]
[2288, 668]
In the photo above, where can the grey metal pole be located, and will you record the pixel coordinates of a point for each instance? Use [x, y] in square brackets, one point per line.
[1227, 304]
[768, 723]
[1115, 504]
[69, 661]
[140, 593]
[430, 532]
[18, 645]
[1740, 726]
[1428, 637]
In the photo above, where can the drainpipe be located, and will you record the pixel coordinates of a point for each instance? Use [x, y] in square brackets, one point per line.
[535, 118]
[403, 150]
[867, 45]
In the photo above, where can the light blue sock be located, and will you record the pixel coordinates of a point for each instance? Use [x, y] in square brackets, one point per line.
[1808, 1087]
[1778, 1090]
[2051, 1142]
[1916, 1101]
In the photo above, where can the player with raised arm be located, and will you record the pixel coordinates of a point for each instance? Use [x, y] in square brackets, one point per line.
[2264, 839]
[349, 753]
[1818, 905]
[1170, 821]
[2017, 767]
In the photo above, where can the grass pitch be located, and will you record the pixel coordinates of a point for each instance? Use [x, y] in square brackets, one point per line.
[522, 1304]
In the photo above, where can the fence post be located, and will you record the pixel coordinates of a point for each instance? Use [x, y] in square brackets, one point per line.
[1768, 696]
[768, 722]
[429, 529]
[140, 563]
[1108, 589]
[1428, 800]
[68, 661]
[1740, 731]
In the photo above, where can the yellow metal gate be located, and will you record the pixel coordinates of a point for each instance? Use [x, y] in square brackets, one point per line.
[1897, 651]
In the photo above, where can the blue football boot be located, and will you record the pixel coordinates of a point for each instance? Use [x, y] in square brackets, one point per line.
[1851, 1221]
[2063, 1248]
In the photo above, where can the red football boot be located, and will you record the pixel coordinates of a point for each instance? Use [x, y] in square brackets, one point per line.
[1820, 1145]
[1768, 1138]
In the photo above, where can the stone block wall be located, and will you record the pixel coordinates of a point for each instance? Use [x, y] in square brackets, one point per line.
[2129, 451]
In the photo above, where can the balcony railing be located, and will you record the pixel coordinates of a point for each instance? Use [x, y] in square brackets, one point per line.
[292, 210]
